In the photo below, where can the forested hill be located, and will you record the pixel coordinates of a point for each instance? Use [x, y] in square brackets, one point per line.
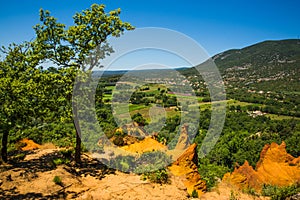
[267, 73]
[268, 53]
[267, 63]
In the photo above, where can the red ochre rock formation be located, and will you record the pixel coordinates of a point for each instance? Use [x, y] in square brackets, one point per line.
[186, 168]
[146, 145]
[29, 145]
[186, 165]
[275, 167]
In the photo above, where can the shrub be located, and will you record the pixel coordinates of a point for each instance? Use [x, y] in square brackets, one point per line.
[160, 176]
[109, 134]
[211, 173]
[118, 141]
[195, 194]
[280, 193]
[57, 180]
[59, 133]
[152, 161]
[233, 196]
[60, 161]
[67, 153]
[123, 163]
[251, 191]
[20, 156]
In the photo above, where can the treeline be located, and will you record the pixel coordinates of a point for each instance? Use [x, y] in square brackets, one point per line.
[272, 102]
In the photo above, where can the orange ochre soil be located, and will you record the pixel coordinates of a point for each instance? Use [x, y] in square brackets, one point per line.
[275, 167]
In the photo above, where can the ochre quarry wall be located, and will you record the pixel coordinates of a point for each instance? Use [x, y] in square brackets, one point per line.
[275, 167]
[186, 168]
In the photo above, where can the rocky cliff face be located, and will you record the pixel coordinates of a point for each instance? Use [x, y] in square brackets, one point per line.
[185, 155]
[186, 168]
[183, 140]
[275, 167]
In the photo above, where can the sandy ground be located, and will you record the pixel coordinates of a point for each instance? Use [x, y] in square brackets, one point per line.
[32, 178]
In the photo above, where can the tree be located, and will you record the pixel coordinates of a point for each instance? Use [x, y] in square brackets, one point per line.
[139, 119]
[12, 97]
[18, 94]
[29, 95]
[70, 47]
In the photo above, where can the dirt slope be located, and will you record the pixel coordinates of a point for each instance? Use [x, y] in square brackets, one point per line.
[32, 178]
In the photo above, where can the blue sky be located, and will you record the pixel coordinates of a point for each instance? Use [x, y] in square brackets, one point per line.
[216, 25]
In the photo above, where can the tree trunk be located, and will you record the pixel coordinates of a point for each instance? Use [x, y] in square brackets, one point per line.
[78, 136]
[77, 126]
[4, 146]
[78, 148]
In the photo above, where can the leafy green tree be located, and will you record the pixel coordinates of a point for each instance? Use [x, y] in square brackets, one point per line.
[138, 118]
[30, 96]
[70, 47]
[13, 98]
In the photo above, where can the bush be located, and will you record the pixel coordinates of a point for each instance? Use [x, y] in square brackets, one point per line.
[109, 134]
[280, 193]
[251, 191]
[57, 180]
[118, 141]
[60, 161]
[211, 173]
[152, 162]
[147, 162]
[195, 194]
[67, 153]
[160, 176]
[59, 133]
[138, 118]
[123, 163]
[20, 156]
[233, 196]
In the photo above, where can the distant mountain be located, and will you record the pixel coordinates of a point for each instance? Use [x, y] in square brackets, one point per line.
[272, 65]
[109, 73]
[265, 66]
[121, 72]
[260, 54]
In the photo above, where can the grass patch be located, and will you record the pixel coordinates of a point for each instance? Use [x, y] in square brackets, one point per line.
[133, 107]
[60, 161]
[111, 87]
[144, 111]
